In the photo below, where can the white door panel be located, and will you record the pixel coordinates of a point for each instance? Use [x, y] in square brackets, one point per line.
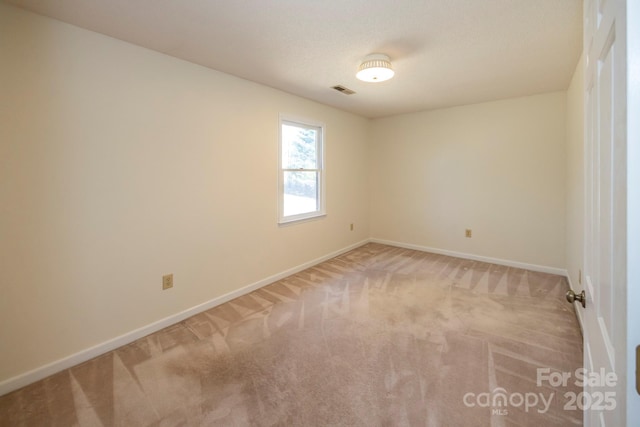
[605, 206]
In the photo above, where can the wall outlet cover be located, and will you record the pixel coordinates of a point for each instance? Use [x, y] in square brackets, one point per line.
[167, 281]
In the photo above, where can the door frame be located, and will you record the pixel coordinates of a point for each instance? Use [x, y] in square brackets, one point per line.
[633, 208]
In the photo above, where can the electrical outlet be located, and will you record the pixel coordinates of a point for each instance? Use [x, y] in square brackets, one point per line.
[467, 232]
[167, 281]
[351, 227]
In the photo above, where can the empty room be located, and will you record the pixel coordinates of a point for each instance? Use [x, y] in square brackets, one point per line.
[319, 213]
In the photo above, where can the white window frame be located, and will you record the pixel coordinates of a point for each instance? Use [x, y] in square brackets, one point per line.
[321, 211]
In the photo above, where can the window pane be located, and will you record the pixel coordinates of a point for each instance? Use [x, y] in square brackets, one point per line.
[300, 192]
[299, 147]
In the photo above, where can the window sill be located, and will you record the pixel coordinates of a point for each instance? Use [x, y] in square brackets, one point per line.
[297, 220]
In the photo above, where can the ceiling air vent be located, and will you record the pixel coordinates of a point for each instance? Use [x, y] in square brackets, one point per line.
[343, 89]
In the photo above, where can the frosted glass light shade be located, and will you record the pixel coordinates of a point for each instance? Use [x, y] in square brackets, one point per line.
[375, 68]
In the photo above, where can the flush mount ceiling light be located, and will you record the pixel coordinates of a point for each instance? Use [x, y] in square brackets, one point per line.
[375, 68]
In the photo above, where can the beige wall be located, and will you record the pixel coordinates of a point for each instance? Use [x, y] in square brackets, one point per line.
[575, 176]
[119, 164]
[496, 167]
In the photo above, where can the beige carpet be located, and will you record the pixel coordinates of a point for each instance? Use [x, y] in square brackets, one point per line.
[380, 336]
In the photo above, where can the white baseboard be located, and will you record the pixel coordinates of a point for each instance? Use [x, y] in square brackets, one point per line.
[41, 372]
[517, 264]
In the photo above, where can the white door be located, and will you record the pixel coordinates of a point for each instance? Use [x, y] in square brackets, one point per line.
[608, 310]
[633, 212]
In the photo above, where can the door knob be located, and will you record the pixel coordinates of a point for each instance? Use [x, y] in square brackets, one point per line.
[572, 296]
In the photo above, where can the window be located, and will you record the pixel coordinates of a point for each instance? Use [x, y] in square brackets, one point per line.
[301, 189]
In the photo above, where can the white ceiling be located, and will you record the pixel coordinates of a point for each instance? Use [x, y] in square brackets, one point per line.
[444, 52]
